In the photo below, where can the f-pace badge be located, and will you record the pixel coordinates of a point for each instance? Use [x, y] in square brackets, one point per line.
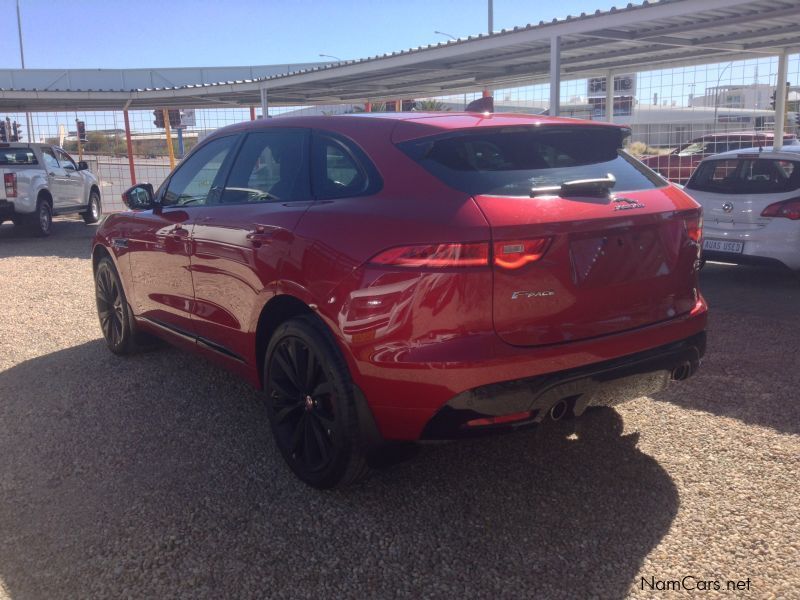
[727, 207]
[625, 203]
[532, 294]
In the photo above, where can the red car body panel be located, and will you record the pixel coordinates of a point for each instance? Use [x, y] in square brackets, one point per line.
[412, 338]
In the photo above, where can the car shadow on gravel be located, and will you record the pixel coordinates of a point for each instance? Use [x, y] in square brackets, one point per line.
[70, 238]
[750, 368]
[156, 476]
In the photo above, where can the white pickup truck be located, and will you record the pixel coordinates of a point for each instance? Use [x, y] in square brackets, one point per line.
[40, 181]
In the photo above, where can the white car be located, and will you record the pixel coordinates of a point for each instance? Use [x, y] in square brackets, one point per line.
[39, 181]
[751, 206]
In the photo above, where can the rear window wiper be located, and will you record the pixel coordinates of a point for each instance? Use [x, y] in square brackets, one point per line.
[578, 187]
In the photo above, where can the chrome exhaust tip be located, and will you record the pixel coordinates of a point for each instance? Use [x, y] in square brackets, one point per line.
[558, 410]
[682, 372]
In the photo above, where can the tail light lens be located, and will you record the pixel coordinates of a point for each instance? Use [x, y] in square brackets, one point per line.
[694, 227]
[10, 181]
[518, 253]
[436, 256]
[787, 209]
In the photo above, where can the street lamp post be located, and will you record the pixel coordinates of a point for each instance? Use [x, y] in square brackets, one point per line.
[452, 37]
[331, 56]
[716, 94]
[28, 117]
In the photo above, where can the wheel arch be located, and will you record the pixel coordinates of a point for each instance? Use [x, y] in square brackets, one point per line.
[98, 253]
[45, 194]
[94, 188]
[277, 310]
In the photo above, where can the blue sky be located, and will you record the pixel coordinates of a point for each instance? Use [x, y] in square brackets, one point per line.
[172, 33]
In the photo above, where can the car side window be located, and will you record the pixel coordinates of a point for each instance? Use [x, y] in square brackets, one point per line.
[341, 170]
[49, 159]
[193, 180]
[271, 166]
[65, 160]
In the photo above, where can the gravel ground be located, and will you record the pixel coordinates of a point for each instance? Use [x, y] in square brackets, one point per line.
[156, 477]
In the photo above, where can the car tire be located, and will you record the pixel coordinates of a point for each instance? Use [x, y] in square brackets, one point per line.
[311, 405]
[113, 310]
[41, 221]
[94, 209]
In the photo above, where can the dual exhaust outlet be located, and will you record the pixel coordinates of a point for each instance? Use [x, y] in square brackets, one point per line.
[562, 408]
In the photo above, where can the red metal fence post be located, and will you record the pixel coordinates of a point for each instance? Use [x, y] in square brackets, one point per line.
[128, 142]
[252, 113]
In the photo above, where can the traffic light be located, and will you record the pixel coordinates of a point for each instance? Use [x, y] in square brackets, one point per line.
[16, 131]
[3, 132]
[772, 99]
[174, 118]
[81, 130]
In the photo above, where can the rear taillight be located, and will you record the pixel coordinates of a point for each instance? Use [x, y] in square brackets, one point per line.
[694, 227]
[518, 253]
[436, 256]
[787, 209]
[10, 181]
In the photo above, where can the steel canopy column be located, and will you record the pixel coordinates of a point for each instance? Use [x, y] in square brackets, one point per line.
[780, 100]
[129, 145]
[610, 96]
[555, 76]
[264, 103]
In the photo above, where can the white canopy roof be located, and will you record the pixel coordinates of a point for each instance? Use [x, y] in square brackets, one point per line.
[653, 35]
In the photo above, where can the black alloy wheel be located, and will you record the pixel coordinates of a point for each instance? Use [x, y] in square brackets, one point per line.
[310, 406]
[112, 309]
[302, 403]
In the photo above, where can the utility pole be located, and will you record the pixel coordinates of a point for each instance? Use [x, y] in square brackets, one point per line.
[491, 16]
[22, 60]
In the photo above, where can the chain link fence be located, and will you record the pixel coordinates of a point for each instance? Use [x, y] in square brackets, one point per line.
[677, 116]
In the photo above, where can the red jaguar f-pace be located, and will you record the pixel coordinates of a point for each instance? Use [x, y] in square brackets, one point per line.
[411, 276]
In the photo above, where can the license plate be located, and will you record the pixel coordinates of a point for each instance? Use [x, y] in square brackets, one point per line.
[723, 246]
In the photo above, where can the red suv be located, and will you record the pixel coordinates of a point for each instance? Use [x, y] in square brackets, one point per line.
[678, 165]
[390, 277]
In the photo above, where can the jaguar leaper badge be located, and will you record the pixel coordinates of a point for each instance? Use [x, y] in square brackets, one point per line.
[621, 203]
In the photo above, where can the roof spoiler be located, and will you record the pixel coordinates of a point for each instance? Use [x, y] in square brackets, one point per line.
[481, 105]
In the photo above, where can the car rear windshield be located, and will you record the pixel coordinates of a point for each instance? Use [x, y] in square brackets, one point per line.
[17, 156]
[746, 176]
[512, 161]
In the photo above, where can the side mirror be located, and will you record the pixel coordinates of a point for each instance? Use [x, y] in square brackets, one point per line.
[139, 197]
[83, 165]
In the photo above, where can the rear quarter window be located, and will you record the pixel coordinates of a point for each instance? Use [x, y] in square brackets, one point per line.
[746, 176]
[17, 156]
[511, 161]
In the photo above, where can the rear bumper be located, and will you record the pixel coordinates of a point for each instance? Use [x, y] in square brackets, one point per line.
[405, 391]
[603, 384]
[776, 243]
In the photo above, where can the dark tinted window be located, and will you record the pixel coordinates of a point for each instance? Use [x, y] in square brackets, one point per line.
[192, 181]
[17, 156]
[271, 166]
[746, 176]
[511, 161]
[341, 169]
